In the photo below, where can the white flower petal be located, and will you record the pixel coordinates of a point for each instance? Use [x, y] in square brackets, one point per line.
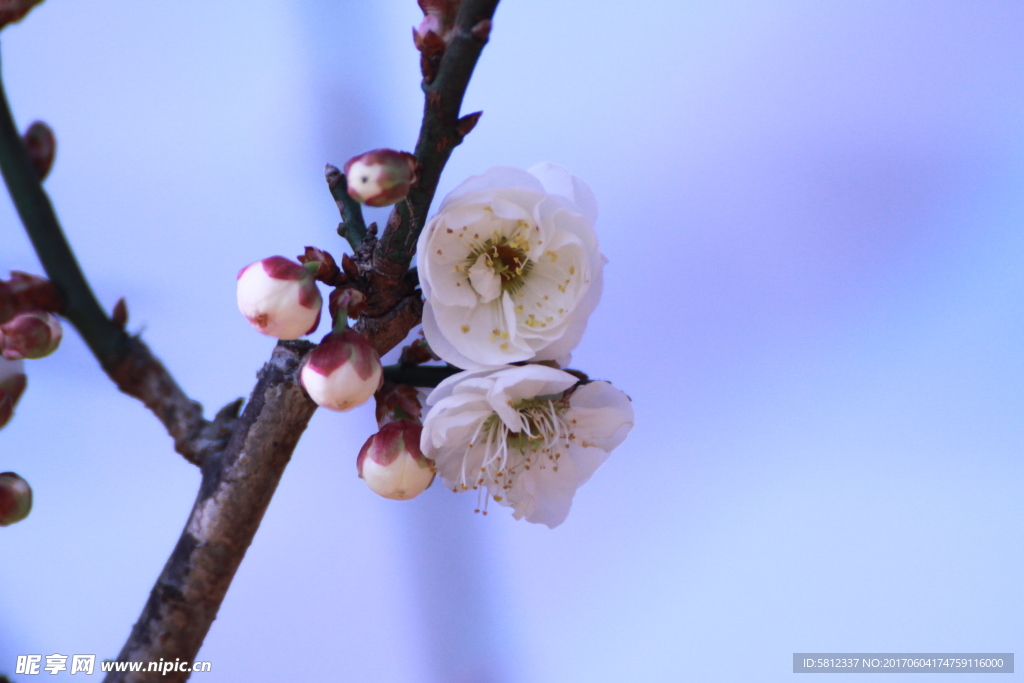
[602, 415]
[497, 178]
[556, 180]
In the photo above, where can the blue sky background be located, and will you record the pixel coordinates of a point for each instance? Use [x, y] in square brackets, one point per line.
[815, 297]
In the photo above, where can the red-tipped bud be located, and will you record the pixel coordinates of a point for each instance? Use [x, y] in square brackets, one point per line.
[392, 464]
[15, 498]
[41, 146]
[342, 372]
[32, 334]
[12, 385]
[279, 298]
[381, 177]
[429, 35]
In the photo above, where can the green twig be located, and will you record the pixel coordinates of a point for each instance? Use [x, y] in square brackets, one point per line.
[419, 375]
[352, 226]
[107, 341]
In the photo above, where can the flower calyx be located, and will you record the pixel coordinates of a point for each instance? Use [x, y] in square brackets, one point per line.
[322, 266]
[399, 402]
[392, 464]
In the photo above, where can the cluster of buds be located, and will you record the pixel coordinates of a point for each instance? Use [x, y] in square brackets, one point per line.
[280, 298]
[15, 498]
[27, 331]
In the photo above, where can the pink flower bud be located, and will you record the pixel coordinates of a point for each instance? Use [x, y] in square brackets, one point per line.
[12, 385]
[392, 464]
[15, 498]
[343, 372]
[31, 334]
[429, 35]
[381, 177]
[279, 298]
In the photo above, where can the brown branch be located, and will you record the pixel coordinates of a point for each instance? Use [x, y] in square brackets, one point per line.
[243, 458]
[442, 130]
[393, 303]
[237, 486]
[127, 360]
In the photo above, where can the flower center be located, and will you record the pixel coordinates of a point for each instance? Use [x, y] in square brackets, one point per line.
[506, 454]
[499, 265]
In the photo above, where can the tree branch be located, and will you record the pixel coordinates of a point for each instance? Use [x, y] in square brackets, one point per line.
[237, 486]
[126, 359]
[243, 458]
[442, 130]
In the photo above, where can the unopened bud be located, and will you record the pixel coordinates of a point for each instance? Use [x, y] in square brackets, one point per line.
[343, 372]
[392, 464]
[381, 177]
[429, 35]
[279, 298]
[12, 385]
[31, 334]
[41, 146]
[15, 498]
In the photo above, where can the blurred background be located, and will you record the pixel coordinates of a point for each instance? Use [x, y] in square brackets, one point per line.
[813, 214]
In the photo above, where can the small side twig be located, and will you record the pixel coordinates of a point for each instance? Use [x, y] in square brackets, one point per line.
[352, 226]
[127, 360]
[441, 131]
[393, 306]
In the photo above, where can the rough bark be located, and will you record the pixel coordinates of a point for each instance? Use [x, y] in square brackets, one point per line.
[237, 486]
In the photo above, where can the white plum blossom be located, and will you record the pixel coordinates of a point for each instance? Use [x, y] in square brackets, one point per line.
[510, 268]
[525, 434]
[279, 298]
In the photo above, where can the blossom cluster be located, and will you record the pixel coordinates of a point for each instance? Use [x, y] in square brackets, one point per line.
[510, 269]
